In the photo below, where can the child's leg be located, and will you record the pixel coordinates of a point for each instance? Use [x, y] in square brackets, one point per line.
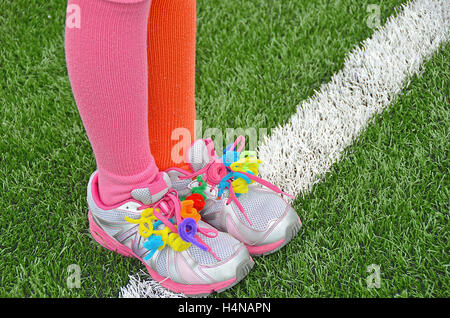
[107, 64]
[171, 56]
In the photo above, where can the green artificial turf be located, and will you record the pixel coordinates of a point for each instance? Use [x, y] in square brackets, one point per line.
[256, 60]
[385, 204]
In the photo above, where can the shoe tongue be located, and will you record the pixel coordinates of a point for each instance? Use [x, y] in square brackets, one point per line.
[200, 153]
[154, 191]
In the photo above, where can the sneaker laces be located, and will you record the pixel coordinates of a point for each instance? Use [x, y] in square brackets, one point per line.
[179, 232]
[233, 171]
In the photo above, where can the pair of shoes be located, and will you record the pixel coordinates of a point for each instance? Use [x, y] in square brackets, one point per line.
[195, 231]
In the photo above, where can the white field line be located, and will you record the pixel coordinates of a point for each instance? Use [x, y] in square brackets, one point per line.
[297, 154]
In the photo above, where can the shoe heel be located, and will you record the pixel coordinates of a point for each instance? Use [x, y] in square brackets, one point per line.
[105, 240]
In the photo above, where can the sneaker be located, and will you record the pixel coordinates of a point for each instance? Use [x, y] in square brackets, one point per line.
[182, 254]
[237, 201]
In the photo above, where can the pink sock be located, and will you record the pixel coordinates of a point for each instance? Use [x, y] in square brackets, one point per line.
[106, 58]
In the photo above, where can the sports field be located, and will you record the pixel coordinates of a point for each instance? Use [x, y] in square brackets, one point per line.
[381, 209]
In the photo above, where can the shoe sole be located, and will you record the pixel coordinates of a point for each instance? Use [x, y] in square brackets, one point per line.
[109, 243]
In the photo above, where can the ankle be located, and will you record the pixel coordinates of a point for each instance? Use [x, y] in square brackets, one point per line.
[114, 189]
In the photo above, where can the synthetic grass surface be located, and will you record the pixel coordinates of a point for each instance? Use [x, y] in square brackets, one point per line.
[386, 203]
[255, 61]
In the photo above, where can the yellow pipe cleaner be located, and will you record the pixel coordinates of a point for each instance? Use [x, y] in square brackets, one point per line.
[167, 236]
[244, 164]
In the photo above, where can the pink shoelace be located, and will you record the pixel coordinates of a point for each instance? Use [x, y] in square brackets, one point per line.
[216, 171]
[168, 207]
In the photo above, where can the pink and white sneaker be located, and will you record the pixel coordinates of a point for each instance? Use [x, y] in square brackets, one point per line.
[183, 254]
[236, 201]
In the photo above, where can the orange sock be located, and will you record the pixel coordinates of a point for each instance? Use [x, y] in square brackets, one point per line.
[171, 63]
